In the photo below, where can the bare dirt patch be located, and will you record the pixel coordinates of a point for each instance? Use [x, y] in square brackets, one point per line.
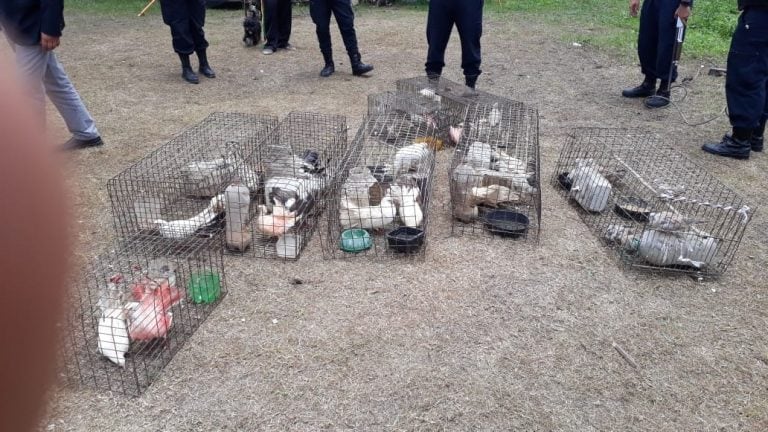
[483, 335]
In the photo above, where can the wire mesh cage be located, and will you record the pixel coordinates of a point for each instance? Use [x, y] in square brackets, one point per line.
[658, 210]
[455, 100]
[176, 191]
[300, 160]
[429, 109]
[133, 309]
[381, 207]
[495, 173]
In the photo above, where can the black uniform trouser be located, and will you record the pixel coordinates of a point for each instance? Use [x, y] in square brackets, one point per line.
[468, 17]
[321, 11]
[656, 39]
[277, 20]
[186, 19]
[746, 84]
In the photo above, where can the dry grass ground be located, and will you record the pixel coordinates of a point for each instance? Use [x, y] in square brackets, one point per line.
[481, 336]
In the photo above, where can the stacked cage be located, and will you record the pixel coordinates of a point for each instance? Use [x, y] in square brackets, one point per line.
[455, 101]
[177, 191]
[656, 208]
[300, 161]
[134, 308]
[495, 173]
[381, 208]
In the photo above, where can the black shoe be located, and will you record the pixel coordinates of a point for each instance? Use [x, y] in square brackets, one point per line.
[189, 75]
[756, 143]
[659, 100]
[328, 70]
[729, 147]
[643, 90]
[207, 71]
[76, 144]
[358, 67]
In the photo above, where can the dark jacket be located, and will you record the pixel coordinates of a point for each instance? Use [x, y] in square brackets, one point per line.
[752, 3]
[24, 20]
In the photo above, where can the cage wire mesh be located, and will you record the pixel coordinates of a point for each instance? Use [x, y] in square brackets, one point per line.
[495, 173]
[381, 208]
[658, 210]
[132, 310]
[455, 101]
[177, 191]
[429, 109]
[300, 160]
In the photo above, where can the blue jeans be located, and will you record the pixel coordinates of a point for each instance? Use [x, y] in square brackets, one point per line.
[44, 73]
[746, 84]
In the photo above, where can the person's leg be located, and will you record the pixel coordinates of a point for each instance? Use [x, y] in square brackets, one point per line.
[67, 101]
[667, 32]
[745, 84]
[345, 18]
[196, 27]
[176, 15]
[32, 63]
[647, 37]
[320, 11]
[758, 133]
[469, 23]
[285, 17]
[439, 26]
[271, 25]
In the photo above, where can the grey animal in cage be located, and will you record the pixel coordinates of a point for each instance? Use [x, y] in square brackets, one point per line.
[589, 188]
[663, 248]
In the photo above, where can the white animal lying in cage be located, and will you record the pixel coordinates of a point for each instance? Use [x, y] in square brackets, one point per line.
[588, 187]
[408, 207]
[688, 249]
[370, 217]
[179, 229]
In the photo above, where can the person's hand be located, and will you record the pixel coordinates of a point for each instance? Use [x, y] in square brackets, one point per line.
[49, 43]
[634, 7]
[683, 12]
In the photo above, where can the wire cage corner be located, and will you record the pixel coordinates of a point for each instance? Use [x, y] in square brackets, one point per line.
[654, 207]
[176, 192]
[495, 173]
[381, 208]
[134, 308]
[300, 160]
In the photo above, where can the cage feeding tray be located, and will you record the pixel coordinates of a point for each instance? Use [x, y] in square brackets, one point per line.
[405, 239]
[355, 240]
[507, 223]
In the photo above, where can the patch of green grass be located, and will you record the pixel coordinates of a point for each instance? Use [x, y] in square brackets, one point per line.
[605, 24]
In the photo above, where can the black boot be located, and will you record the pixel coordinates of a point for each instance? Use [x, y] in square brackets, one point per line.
[329, 68]
[186, 70]
[205, 68]
[757, 137]
[358, 67]
[646, 89]
[735, 146]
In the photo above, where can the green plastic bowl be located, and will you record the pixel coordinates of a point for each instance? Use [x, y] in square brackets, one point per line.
[355, 240]
[205, 287]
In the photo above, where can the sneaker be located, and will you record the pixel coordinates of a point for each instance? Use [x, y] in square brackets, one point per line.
[268, 50]
[287, 47]
[76, 144]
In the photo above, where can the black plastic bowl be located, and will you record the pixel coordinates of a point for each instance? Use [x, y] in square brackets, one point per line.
[564, 181]
[405, 239]
[507, 223]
